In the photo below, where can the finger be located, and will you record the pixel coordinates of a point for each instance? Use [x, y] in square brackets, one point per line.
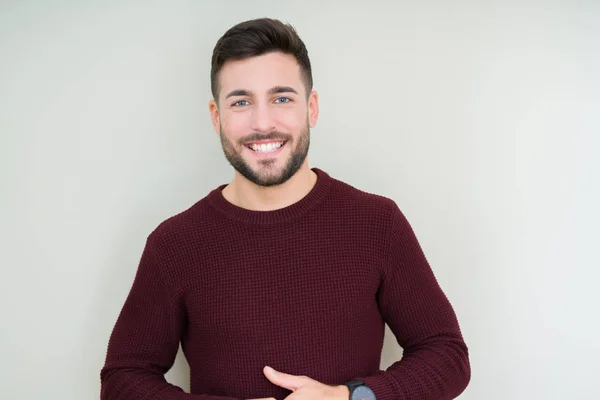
[287, 381]
[265, 398]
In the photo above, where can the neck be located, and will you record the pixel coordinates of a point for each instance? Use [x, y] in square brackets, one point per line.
[243, 193]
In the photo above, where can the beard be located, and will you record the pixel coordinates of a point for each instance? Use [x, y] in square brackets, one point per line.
[266, 174]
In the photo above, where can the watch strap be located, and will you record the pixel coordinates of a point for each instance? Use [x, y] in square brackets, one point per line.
[353, 385]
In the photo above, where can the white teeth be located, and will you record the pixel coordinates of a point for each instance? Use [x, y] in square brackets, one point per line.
[266, 148]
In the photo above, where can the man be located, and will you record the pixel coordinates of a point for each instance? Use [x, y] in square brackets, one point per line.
[279, 284]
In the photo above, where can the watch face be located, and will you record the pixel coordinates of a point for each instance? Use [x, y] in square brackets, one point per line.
[363, 393]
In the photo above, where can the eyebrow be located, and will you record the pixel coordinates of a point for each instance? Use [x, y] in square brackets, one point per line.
[274, 90]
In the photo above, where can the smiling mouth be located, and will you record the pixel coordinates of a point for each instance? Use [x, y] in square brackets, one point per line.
[265, 147]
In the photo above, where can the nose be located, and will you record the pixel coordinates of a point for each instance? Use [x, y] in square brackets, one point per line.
[262, 119]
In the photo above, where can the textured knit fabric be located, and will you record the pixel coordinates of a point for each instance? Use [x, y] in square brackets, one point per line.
[305, 289]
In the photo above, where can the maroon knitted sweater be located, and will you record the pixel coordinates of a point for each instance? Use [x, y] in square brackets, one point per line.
[305, 289]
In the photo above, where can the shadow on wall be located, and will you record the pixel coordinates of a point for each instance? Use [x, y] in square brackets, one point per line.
[391, 352]
[179, 375]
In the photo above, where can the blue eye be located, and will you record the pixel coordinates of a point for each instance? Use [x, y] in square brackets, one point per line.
[239, 103]
[285, 100]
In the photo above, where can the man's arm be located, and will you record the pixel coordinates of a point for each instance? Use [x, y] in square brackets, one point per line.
[435, 364]
[145, 339]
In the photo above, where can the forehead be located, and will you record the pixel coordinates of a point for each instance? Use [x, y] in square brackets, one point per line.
[261, 73]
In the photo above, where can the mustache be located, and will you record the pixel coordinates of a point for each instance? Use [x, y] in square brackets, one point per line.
[271, 136]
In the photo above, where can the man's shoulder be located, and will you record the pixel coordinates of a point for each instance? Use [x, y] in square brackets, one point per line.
[352, 197]
[184, 224]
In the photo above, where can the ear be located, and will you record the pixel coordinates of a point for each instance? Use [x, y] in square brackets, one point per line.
[313, 108]
[215, 116]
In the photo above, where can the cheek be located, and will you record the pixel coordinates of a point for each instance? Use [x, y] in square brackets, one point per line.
[235, 126]
[290, 121]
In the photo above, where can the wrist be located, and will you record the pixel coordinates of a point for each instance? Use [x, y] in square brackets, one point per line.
[340, 392]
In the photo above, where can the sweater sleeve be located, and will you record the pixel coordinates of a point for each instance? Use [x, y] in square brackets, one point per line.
[145, 339]
[435, 364]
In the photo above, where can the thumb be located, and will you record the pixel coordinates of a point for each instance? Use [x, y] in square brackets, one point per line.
[290, 382]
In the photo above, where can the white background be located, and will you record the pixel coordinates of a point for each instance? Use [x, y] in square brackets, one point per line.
[481, 120]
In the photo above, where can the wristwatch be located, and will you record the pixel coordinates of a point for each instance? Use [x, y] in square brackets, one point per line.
[359, 391]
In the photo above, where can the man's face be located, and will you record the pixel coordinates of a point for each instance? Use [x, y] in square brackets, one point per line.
[263, 117]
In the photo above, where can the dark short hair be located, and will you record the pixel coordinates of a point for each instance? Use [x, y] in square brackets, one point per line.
[254, 38]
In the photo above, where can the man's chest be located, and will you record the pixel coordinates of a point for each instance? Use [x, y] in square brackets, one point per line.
[312, 299]
[291, 281]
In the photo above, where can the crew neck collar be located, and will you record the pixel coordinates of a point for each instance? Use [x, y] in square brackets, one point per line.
[312, 198]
